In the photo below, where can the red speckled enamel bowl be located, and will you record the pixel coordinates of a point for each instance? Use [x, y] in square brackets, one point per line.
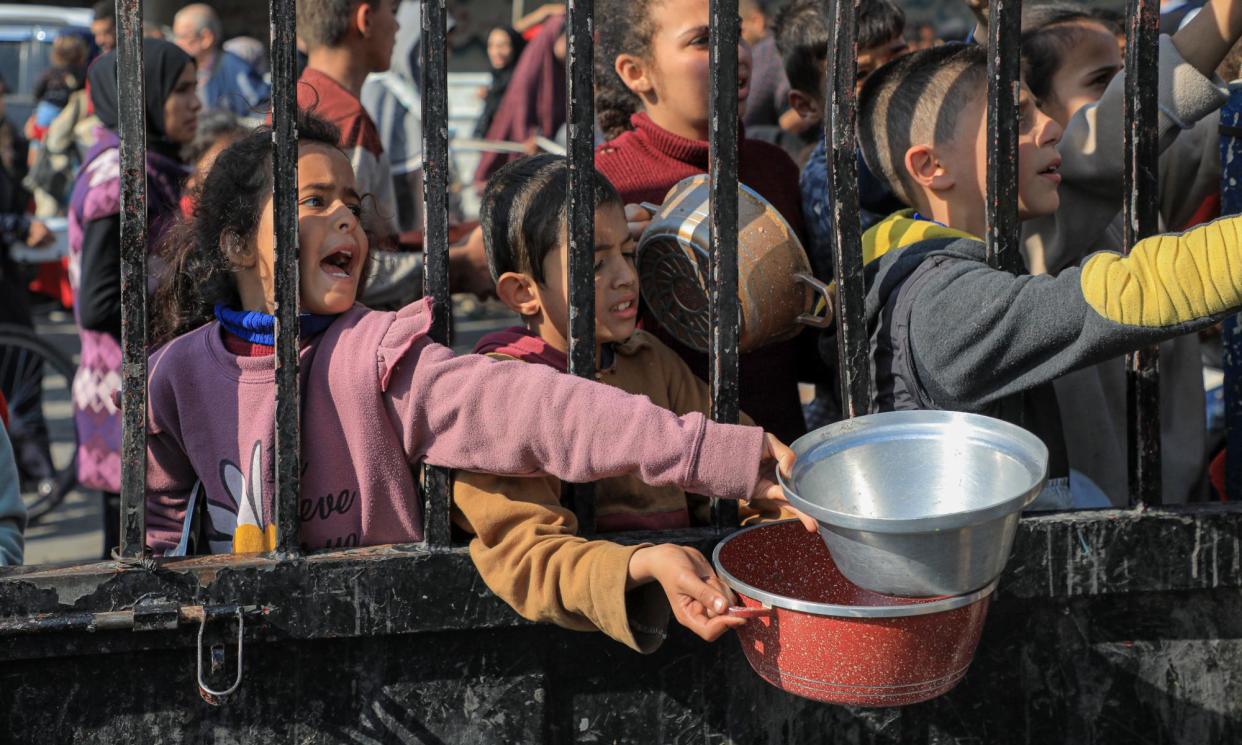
[814, 633]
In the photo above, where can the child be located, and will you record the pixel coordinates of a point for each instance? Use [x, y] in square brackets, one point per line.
[1072, 63]
[802, 33]
[949, 332]
[524, 541]
[58, 82]
[347, 40]
[651, 102]
[378, 397]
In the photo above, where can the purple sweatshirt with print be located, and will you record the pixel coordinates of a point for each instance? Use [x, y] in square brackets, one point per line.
[379, 398]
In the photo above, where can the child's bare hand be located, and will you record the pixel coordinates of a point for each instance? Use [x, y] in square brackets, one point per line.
[637, 218]
[39, 235]
[700, 601]
[979, 9]
[468, 271]
[777, 454]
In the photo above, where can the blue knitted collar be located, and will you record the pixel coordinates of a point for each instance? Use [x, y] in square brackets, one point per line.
[258, 327]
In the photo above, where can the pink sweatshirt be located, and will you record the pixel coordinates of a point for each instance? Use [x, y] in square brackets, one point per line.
[380, 398]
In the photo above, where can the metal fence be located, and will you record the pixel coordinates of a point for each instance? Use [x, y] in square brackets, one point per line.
[854, 358]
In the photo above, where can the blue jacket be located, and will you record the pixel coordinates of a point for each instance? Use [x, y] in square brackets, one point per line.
[235, 86]
[12, 508]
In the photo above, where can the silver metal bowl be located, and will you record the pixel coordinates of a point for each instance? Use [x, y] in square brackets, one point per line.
[918, 503]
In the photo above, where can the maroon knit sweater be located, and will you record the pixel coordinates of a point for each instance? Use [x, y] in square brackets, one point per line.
[643, 164]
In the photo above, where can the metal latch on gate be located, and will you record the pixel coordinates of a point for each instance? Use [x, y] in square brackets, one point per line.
[211, 696]
[152, 614]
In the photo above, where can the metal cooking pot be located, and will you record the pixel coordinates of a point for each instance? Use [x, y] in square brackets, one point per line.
[918, 502]
[775, 288]
[815, 634]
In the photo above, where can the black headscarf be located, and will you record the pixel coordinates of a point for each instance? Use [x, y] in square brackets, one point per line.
[162, 64]
[500, 81]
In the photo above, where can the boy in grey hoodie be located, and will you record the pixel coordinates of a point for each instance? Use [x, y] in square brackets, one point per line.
[948, 331]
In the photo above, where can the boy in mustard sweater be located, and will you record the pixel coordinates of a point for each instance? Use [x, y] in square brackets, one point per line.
[524, 543]
[948, 331]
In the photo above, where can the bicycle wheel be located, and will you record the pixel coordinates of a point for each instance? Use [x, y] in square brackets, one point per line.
[37, 381]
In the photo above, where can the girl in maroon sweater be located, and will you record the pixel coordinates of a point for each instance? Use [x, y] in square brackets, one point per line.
[652, 76]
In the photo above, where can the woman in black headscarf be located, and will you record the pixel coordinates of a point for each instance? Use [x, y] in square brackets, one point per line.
[171, 106]
[504, 46]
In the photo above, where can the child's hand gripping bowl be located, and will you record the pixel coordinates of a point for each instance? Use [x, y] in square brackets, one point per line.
[777, 454]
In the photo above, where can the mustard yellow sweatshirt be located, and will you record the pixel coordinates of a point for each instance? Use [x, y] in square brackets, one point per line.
[525, 543]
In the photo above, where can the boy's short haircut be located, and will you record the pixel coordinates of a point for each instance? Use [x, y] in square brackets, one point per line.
[105, 10]
[324, 23]
[802, 35]
[916, 100]
[523, 214]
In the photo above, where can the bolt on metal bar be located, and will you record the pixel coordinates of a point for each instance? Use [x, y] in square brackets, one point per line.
[1003, 227]
[288, 460]
[133, 152]
[1141, 215]
[723, 311]
[580, 214]
[437, 482]
[840, 139]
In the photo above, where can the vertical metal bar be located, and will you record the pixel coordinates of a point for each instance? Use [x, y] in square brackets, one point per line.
[287, 467]
[723, 309]
[1141, 215]
[853, 347]
[1231, 331]
[1004, 86]
[1003, 228]
[580, 214]
[437, 482]
[133, 153]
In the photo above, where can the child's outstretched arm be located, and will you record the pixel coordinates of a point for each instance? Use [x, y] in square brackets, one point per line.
[977, 335]
[699, 599]
[478, 414]
[526, 549]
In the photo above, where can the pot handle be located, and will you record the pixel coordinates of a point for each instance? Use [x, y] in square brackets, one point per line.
[825, 295]
[741, 611]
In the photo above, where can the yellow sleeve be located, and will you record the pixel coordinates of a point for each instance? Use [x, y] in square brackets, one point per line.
[1169, 279]
[526, 550]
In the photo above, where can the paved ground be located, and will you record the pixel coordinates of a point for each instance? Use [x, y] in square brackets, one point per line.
[73, 531]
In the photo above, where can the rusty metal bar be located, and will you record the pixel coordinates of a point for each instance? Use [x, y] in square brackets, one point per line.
[580, 214]
[1003, 227]
[288, 460]
[133, 151]
[1141, 215]
[437, 482]
[723, 312]
[853, 347]
[1231, 330]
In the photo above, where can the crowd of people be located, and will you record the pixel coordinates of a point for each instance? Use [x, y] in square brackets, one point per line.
[379, 398]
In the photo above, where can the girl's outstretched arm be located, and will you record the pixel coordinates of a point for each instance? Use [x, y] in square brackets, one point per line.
[512, 418]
